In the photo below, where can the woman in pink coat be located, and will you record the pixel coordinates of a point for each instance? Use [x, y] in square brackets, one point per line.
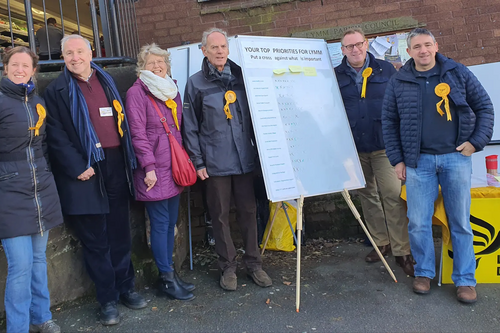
[153, 178]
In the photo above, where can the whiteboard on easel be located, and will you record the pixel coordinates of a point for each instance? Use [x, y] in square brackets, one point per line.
[303, 135]
[484, 75]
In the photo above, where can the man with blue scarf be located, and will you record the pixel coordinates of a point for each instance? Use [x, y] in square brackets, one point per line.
[92, 160]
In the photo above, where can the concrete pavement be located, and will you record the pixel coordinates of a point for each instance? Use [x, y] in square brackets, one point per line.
[340, 293]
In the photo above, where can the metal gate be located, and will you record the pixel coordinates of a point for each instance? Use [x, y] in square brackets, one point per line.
[110, 26]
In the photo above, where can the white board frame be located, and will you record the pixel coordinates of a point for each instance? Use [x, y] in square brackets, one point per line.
[352, 166]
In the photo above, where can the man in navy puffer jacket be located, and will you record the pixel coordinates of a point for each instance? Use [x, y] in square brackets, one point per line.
[435, 115]
[364, 113]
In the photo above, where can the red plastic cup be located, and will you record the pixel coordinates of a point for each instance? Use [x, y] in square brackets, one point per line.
[492, 162]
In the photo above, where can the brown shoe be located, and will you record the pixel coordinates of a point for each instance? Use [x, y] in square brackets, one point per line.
[406, 262]
[373, 256]
[467, 294]
[421, 285]
[261, 278]
[228, 281]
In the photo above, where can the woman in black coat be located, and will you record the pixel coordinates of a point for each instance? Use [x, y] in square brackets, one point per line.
[29, 201]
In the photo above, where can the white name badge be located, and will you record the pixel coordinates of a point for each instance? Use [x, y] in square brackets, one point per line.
[106, 112]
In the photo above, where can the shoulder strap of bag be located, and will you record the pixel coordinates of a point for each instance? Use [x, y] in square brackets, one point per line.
[162, 118]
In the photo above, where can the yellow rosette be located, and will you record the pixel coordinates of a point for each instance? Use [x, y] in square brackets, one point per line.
[443, 90]
[230, 97]
[41, 117]
[121, 116]
[366, 74]
[170, 103]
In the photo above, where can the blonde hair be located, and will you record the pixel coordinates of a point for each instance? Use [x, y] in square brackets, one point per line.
[154, 50]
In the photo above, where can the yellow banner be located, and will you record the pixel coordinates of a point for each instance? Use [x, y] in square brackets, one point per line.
[485, 222]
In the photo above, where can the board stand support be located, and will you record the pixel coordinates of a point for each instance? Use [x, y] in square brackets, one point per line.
[355, 212]
[189, 229]
[440, 280]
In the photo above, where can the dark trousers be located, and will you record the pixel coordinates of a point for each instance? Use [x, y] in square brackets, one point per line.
[106, 238]
[219, 190]
[163, 217]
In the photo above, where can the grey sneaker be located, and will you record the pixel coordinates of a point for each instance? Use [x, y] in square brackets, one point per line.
[48, 327]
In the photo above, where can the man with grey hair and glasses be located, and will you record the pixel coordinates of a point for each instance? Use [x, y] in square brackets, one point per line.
[385, 213]
[435, 115]
[92, 160]
[218, 136]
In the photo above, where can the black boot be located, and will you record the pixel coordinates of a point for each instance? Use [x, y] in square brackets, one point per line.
[171, 288]
[185, 285]
[109, 314]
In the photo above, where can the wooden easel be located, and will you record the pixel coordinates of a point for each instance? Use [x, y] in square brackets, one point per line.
[298, 239]
[355, 212]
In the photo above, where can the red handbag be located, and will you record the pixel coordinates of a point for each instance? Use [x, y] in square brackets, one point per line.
[183, 170]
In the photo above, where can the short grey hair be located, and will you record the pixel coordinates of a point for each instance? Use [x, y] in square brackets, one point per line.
[153, 49]
[417, 32]
[70, 37]
[209, 32]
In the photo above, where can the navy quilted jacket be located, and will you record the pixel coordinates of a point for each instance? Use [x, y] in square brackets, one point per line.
[365, 113]
[402, 111]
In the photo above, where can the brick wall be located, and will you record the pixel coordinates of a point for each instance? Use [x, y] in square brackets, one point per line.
[467, 31]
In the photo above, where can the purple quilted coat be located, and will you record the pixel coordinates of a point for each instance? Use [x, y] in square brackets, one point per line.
[150, 142]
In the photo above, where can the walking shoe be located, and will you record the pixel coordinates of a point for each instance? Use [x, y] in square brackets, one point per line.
[261, 278]
[406, 262]
[228, 281]
[467, 294]
[132, 300]
[373, 256]
[186, 285]
[171, 288]
[48, 327]
[421, 285]
[109, 314]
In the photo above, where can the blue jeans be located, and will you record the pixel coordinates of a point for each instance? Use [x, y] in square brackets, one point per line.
[453, 172]
[27, 297]
[163, 217]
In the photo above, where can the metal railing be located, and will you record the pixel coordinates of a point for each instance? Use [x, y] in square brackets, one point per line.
[110, 25]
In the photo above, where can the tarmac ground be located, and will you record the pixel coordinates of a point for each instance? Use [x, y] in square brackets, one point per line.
[340, 292]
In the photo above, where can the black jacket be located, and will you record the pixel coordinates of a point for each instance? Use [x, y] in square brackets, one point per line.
[365, 114]
[28, 194]
[402, 111]
[68, 159]
[225, 147]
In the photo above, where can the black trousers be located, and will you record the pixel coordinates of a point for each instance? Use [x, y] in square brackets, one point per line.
[219, 191]
[106, 238]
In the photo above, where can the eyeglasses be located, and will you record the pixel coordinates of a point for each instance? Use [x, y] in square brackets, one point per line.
[350, 47]
[154, 63]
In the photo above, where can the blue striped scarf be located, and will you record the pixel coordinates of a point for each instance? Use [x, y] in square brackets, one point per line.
[83, 125]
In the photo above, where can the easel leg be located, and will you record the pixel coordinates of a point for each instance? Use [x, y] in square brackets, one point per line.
[355, 212]
[441, 265]
[189, 225]
[299, 234]
[278, 206]
[289, 222]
